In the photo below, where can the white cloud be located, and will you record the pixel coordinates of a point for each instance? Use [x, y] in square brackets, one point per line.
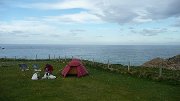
[150, 32]
[39, 31]
[64, 4]
[25, 27]
[82, 17]
[125, 11]
[142, 16]
[176, 23]
[118, 11]
[63, 27]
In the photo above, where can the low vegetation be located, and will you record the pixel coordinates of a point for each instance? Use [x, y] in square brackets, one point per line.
[167, 75]
[172, 63]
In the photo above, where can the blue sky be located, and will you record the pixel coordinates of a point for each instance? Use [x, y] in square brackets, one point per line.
[99, 22]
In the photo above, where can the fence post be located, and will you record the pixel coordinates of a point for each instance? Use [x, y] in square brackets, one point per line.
[36, 56]
[49, 57]
[93, 61]
[25, 57]
[59, 58]
[160, 71]
[129, 63]
[54, 56]
[108, 63]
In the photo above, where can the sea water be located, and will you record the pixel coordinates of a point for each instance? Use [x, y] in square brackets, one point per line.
[116, 54]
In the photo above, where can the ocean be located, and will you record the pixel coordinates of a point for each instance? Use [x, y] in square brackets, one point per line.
[116, 54]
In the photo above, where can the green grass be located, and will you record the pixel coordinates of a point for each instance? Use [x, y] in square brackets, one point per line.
[99, 85]
[168, 76]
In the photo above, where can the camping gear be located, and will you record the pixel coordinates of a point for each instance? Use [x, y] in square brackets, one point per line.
[35, 76]
[74, 67]
[48, 72]
[48, 68]
[36, 68]
[23, 67]
[48, 76]
[51, 76]
[45, 76]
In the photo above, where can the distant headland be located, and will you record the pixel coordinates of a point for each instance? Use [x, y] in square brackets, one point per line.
[169, 63]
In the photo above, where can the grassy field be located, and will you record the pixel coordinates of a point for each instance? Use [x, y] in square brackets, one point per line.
[99, 85]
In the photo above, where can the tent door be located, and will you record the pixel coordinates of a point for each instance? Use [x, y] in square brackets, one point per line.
[72, 71]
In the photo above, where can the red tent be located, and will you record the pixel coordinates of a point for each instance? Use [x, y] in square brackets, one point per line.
[74, 67]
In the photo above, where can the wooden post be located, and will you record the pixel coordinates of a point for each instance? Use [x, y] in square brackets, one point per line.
[108, 63]
[178, 62]
[81, 59]
[36, 56]
[129, 64]
[49, 57]
[160, 71]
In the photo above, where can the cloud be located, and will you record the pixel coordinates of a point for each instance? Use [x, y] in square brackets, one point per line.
[77, 30]
[63, 4]
[152, 32]
[99, 36]
[131, 27]
[176, 24]
[133, 31]
[55, 35]
[149, 32]
[25, 28]
[82, 17]
[126, 11]
[37, 30]
[117, 11]
[14, 33]
[66, 19]
[27, 31]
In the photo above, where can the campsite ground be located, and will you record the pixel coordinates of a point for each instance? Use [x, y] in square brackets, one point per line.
[99, 85]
